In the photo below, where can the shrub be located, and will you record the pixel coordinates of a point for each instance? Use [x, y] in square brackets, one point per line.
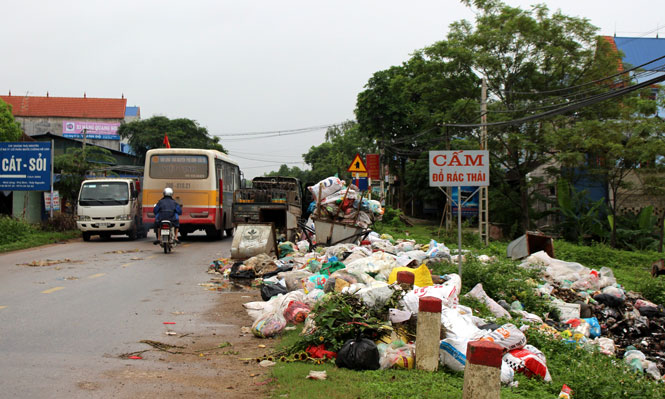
[59, 222]
[13, 229]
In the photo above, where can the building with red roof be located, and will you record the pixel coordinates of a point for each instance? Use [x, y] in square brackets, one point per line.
[94, 119]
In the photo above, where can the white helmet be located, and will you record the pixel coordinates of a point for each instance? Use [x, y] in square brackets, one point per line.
[168, 192]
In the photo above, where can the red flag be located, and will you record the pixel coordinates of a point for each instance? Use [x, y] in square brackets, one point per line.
[166, 141]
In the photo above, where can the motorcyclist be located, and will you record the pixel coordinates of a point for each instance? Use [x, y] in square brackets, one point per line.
[167, 209]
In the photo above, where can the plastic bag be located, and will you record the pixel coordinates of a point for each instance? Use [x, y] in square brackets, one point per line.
[397, 354]
[479, 293]
[270, 290]
[458, 325]
[530, 361]
[316, 281]
[296, 312]
[328, 186]
[452, 353]
[507, 336]
[269, 325]
[358, 354]
[375, 295]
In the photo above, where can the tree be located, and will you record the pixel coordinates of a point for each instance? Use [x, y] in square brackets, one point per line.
[10, 130]
[524, 55]
[402, 110]
[182, 133]
[74, 165]
[333, 156]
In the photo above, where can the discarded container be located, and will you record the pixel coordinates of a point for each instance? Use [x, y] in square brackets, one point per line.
[530, 243]
[331, 233]
[253, 239]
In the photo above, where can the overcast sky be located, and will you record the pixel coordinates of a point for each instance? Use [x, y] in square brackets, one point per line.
[244, 66]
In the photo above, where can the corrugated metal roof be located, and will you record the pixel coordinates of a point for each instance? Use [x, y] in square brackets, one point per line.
[638, 50]
[69, 107]
[131, 111]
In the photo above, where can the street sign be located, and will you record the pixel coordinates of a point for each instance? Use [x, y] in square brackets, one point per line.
[459, 168]
[357, 166]
[361, 183]
[373, 166]
[56, 201]
[25, 166]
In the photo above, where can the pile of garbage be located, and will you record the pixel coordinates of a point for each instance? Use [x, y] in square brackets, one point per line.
[595, 312]
[595, 309]
[337, 202]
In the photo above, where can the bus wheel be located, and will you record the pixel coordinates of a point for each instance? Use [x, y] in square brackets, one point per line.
[213, 233]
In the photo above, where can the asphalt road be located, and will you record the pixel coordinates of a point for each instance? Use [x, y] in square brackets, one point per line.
[63, 324]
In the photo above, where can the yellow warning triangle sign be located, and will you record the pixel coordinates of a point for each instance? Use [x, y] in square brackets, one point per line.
[357, 166]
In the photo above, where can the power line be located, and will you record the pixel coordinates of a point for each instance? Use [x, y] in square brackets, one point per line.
[285, 132]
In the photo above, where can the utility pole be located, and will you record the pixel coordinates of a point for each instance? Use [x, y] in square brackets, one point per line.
[483, 203]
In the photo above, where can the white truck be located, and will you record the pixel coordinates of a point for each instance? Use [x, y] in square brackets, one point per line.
[108, 206]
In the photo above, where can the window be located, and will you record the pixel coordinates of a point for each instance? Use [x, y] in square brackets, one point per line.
[179, 166]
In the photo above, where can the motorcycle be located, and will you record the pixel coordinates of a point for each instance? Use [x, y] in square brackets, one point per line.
[166, 236]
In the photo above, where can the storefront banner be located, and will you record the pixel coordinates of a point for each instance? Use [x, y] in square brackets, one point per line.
[93, 130]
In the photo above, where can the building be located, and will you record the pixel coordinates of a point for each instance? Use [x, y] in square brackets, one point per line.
[95, 120]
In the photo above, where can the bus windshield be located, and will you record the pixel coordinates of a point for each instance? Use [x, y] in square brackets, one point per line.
[179, 167]
[111, 193]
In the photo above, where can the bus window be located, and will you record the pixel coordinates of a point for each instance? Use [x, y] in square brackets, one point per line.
[178, 166]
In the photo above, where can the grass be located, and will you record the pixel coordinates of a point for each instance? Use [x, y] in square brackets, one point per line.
[590, 374]
[18, 234]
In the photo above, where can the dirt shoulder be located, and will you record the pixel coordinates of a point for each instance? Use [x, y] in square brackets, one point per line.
[198, 367]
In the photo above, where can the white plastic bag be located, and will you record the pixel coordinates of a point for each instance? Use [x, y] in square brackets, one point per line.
[479, 293]
[328, 186]
[458, 325]
[452, 353]
[507, 336]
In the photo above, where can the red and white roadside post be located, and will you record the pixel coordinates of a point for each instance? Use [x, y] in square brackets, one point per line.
[428, 333]
[482, 373]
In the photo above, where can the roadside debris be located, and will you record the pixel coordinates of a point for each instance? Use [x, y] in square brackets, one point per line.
[48, 262]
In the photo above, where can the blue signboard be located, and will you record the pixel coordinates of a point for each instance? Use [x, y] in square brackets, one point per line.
[470, 208]
[25, 166]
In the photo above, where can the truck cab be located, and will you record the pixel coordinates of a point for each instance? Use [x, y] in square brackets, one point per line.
[109, 206]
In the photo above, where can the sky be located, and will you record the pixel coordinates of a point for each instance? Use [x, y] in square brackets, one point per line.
[245, 66]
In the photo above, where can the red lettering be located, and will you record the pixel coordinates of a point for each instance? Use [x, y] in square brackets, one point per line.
[470, 161]
[437, 162]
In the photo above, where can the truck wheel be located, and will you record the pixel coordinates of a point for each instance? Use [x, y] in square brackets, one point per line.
[229, 232]
[86, 236]
[133, 233]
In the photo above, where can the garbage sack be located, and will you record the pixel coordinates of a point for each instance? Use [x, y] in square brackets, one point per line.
[529, 361]
[423, 277]
[295, 279]
[270, 290]
[375, 295]
[240, 272]
[507, 336]
[358, 354]
[609, 300]
[328, 186]
[605, 345]
[452, 353]
[448, 293]
[269, 325]
[316, 281]
[396, 354]
[261, 264]
[457, 325]
[438, 250]
[296, 312]
[479, 293]
[329, 268]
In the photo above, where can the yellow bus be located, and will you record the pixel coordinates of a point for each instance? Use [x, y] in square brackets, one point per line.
[203, 182]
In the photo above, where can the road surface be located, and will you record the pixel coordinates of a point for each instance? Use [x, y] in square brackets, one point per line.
[71, 315]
